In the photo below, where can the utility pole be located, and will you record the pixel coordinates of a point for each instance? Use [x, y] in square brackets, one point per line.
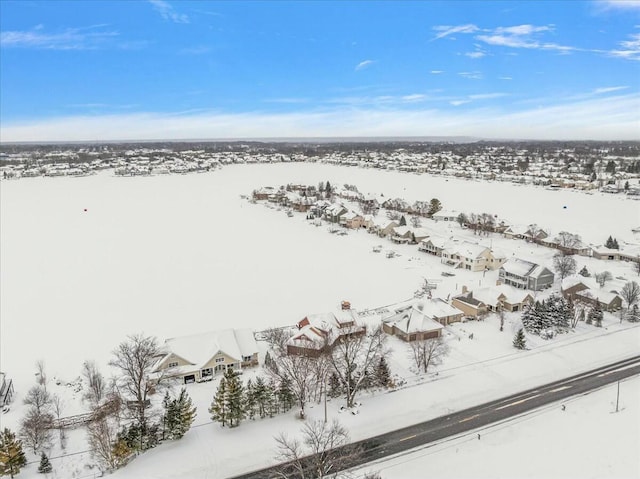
[618, 396]
[325, 400]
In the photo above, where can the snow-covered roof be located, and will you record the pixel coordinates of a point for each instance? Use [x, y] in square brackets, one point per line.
[411, 320]
[605, 297]
[490, 295]
[469, 250]
[519, 267]
[198, 349]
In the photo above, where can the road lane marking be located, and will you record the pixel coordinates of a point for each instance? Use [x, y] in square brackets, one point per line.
[560, 389]
[469, 418]
[517, 402]
[407, 438]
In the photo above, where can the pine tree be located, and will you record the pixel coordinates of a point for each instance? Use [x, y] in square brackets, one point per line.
[12, 457]
[615, 244]
[45, 466]
[633, 314]
[234, 398]
[335, 388]
[519, 341]
[218, 409]
[382, 373]
[250, 400]
[261, 396]
[403, 221]
[286, 398]
[273, 402]
[609, 243]
[186, 414]
[584, 272]
[596, 315]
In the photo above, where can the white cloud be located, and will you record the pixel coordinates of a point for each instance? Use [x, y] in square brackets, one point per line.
[413, 98]
[597, 118]
[605, 5]
[475, 75]
[70, 39]
[487, 96]
[477, 54]
[436, 72]
[364, 64]
[459, 102]
[521, 30]
[167, 12]
[629, 49]
[609, 89]
[505, 78]
[446, 30]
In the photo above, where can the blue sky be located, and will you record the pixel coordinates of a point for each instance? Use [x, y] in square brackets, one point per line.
[109, 70]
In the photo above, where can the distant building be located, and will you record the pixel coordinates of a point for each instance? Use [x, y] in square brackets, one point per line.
[525, 275]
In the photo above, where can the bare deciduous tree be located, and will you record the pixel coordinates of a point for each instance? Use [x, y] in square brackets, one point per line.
[300, 371]
[353, 357]
[95, 381]
[41, 373]
[630, 293]
[102, 435]
[602, 278]
[135, 359]
[564, 265]
[416, 221]
[323, 452]
[38, 398]
[568, 241]
[35, 429]
[428, 352]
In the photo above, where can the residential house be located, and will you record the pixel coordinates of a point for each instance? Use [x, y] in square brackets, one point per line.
[333, 212]
[444, 215]
[525, 275]
[411, 324]
[351, 220]
[384, 227]
[600, 252]
[263, 193]
[586, 291]
[495, 298]
[433, 245]
[198, 357]
[421, 319]
[318, 333]
[471, 256]
[6, 390]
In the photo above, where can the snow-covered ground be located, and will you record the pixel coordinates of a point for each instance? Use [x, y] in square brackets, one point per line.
[586, 440]
[87, 261]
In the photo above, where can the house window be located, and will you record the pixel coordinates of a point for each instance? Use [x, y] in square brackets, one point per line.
[219, 360]
[206, 372]
[173, 365]
[246, 359]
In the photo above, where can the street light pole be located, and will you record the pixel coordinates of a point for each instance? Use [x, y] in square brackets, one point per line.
[617, 397]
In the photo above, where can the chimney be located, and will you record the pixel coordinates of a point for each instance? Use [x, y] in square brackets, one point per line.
[464, 289]
[345, 305]
[498, 283]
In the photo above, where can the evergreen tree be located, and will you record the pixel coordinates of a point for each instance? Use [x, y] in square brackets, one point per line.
[169, 418]
[519, 341]
[250, 400]
[615, 244]
[609, 243]
[335, 388]
[633, 314]
[434, 206]
[596, 315]
[45, 466]
[383, 374]
[12, 457]
[403, 221]
[273, 402]
[218, 409]
[286, 398]
[234, 398]
[185, 413]
[584, 272]
[261, 397]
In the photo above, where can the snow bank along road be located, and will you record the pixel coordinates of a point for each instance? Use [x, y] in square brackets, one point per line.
[468, 419]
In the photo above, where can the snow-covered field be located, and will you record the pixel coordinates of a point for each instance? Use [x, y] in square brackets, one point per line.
[87, 261]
